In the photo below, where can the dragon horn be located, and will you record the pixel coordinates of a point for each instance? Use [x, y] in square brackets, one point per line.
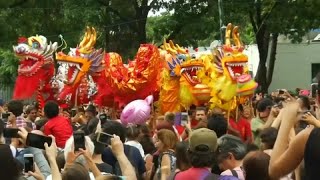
[92, 41]
[172, 45]
[93, 38]
[165, 44]
[181, 50]
[236, 37]
[85, 37]
[228, 33]
[168, 48]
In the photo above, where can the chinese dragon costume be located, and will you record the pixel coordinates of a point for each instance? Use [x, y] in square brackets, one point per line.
[36, 69]
[180, 86]
[115, 81]
[226, 73]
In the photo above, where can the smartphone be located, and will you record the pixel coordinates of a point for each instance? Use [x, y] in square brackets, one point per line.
[184, 117]
[104, 138]
[79, 140]
[73, 112]
[37, 141]
[5, 115]
[28, 163]
[177, 119]
[10, 133]
[314, 89]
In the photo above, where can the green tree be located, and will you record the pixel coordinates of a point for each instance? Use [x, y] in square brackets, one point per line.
[269, 19]
[188, 23]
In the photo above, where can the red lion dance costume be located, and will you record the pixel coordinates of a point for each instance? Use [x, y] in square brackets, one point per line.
[36, 68]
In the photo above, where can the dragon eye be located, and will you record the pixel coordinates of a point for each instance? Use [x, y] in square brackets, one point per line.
[228, 54]
[182, 57]
[35, 45]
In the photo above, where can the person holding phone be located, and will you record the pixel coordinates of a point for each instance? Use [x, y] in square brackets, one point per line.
[58, 126]
[91, 119]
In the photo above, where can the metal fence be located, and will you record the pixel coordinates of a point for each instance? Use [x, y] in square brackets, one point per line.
[6, 93]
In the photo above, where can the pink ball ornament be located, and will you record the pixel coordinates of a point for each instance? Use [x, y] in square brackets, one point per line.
[137, 111]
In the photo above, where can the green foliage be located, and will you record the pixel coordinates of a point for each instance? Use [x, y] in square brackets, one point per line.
[8, 66]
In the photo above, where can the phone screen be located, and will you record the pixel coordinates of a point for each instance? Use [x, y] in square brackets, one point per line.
[73, 112]
[37, 141]
[5, 115]
[104, 138]
[314, 88]
[184, 117]
[28, 163]
[79, 141]
[10, 133]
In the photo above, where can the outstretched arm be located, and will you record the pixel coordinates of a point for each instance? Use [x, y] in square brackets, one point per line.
[286, 157]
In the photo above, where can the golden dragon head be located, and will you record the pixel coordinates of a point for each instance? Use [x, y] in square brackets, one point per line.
[230, 59]
[81, 60]
[181, 63]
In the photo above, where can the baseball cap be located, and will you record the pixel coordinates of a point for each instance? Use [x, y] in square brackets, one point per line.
[203, 140]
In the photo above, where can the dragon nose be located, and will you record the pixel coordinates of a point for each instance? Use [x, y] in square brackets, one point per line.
[21, 49]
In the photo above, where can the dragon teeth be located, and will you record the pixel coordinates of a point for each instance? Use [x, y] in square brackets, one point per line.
[236, 64]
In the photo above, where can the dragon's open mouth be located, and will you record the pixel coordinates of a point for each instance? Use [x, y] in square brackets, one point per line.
[70, 71]
[235, 69]
[190, 73]
[30, 64]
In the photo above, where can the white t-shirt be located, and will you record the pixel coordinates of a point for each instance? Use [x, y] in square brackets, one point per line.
[90, 174]
[137, 145]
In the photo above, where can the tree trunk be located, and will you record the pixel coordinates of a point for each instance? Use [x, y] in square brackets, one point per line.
[141, 26]
[262, 37]
[272, 59]
[141, 16]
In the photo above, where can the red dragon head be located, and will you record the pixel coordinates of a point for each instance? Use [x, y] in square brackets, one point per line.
[36, 65]
[80, 62]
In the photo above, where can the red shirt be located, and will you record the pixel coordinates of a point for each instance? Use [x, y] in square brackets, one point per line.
[193, 173]
[243, 126]
[60, 127]
[180, 129]
[194, 123]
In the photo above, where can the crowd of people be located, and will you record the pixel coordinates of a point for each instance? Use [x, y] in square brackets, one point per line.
[272, 137]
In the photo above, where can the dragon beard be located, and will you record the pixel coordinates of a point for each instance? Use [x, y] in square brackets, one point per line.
[26, 86]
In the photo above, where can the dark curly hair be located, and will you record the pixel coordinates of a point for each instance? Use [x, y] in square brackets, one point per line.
[114, 127]
[201, 160]
[16, 107]
[51, 109]
[269, 136]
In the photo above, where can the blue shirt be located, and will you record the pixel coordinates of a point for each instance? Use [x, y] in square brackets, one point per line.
[135, 159]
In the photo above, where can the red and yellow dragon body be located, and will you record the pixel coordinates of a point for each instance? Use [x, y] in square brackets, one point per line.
[115, 81]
